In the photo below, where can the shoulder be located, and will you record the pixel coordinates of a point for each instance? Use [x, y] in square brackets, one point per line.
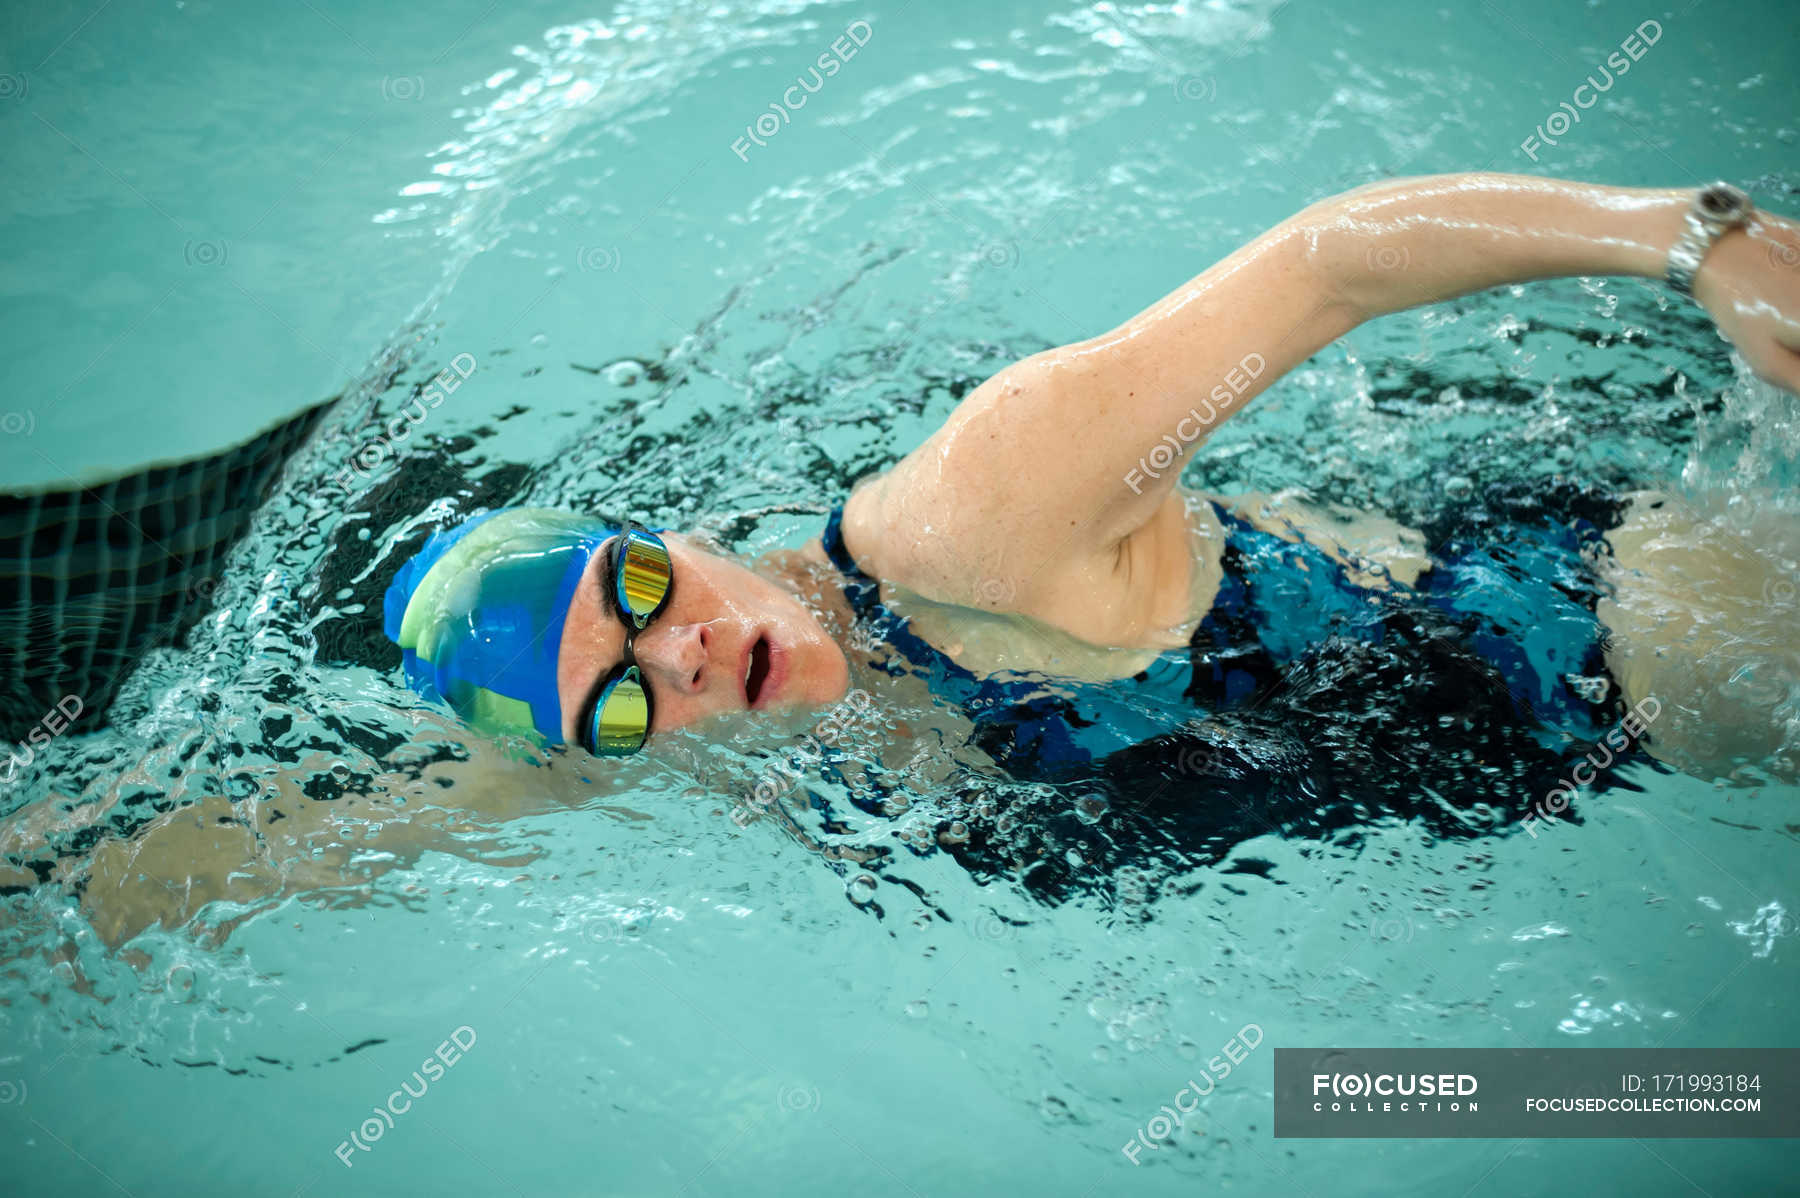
[1117, 591]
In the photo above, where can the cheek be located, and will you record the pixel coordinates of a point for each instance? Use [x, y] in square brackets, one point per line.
[824, 667]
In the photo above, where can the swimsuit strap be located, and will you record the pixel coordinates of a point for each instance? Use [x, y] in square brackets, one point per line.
[862, 591]
[864, 596]
[1016, 721]
[835, 549]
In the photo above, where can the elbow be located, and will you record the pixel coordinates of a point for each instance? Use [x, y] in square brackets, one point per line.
[1343, 261]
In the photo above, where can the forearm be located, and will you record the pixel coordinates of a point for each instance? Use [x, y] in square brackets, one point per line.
[1119, 414]
[1396, 245]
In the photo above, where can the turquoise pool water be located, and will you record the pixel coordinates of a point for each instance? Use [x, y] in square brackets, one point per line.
[233, 213]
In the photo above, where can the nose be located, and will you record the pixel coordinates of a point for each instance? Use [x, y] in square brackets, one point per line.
[676, 657]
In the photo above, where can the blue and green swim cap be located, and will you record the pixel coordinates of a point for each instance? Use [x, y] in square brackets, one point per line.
[478, 614]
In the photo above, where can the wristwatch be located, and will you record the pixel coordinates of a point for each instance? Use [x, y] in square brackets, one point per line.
[1717, 209]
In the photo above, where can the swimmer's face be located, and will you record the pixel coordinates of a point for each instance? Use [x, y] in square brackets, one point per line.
[729, 640]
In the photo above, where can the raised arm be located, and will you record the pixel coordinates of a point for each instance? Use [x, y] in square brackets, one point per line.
[1056, 474]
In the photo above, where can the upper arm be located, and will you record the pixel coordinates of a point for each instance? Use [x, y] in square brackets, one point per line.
[1045, 470]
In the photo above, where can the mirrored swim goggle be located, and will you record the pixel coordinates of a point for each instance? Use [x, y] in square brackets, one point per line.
[616, 720]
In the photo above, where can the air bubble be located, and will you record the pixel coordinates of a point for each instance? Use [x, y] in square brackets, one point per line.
[861, 890]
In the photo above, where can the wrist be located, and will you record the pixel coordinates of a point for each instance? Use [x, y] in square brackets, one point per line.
[1653, 231]
[1717, 211]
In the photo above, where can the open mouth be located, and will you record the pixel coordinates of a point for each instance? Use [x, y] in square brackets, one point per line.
[756, 673]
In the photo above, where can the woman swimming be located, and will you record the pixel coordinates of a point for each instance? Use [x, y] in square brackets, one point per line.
[1040, 534]
[1188, 671]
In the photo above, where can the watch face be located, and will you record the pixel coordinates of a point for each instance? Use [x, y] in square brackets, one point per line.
[1722, 202]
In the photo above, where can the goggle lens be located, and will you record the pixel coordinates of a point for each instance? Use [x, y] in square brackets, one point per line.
[641, 576]
[621, 716]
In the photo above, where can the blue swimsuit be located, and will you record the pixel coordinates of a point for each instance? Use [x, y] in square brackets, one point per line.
[1521, 600]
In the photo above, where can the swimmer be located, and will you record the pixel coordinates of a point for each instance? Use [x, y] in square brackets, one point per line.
[1040, 530]
[1040, 534]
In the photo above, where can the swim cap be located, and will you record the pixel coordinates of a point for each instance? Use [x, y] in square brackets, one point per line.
[478, 613]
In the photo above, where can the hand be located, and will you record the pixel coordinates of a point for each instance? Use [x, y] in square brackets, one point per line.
[1750, 283]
